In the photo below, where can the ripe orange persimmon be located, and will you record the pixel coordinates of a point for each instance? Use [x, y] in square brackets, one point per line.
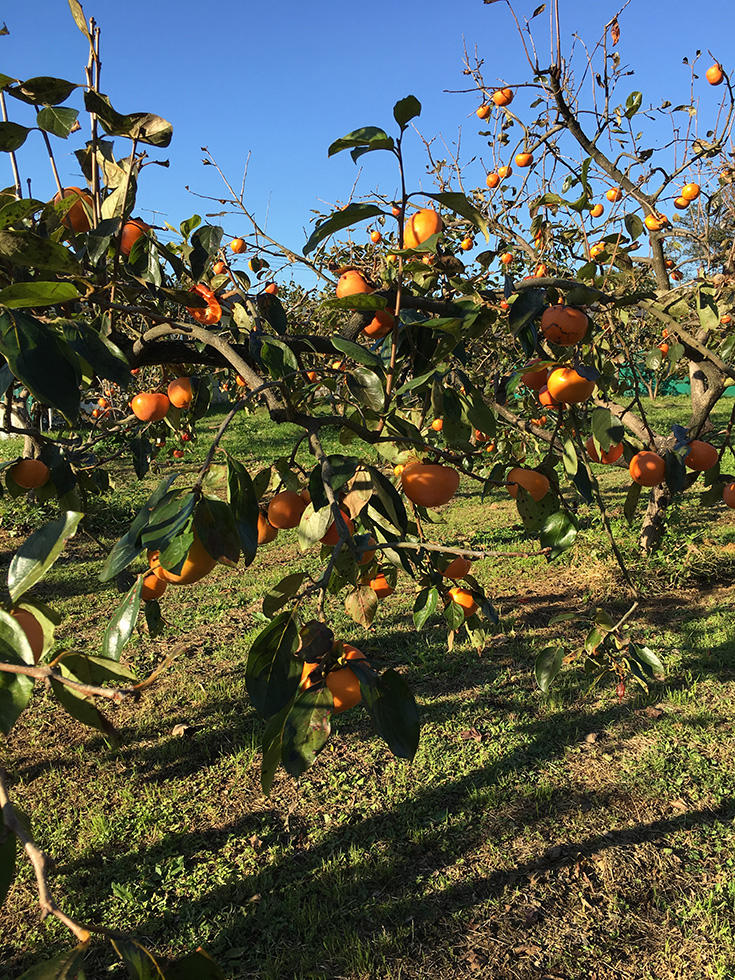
[664, 348]
[30, 473]
[457, 568]
[218, 268]
[534, 377]
[311, 375]
[266, 531]
[546, 398]
[724, 320]
[611, 455]
[492, 180]
[647, 468]
[197, 564]
[375, 237]
[149, 406]
[437, 425]
[728, 494]
[421, 226]
[180, 393]
[483, 112]
[597, 249]
[568, 386]
[681, 203]
[351, 284]
[77, 218]
[238, 245]
[524, 159]
[209, 314]
[506, 258]
[285, 509]
[380, 325]
[655, 222]
[701, 456]
[714, 74]
[504, 172]
[178, 454]
[503, 96]
[32, 629]
[596, 210]
[464, 599]
[466, 244]
[531, 480]
[332, 536]
[153, 587]
[690, 192]
[272, 289]
[380, 585]
[614, 194]
[342, 682]
[429, 484]
[565, 325]
[132, 231]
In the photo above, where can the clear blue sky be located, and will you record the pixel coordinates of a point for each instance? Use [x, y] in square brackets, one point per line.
[282, 79]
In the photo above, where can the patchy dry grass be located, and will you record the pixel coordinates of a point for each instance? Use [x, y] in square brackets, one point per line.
[566, 836]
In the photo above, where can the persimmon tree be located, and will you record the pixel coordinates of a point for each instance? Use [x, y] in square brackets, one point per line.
[509, 314]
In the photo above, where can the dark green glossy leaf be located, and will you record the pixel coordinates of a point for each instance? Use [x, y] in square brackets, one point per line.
[63, 966]
[168, 519]
[36, 293]
[145, 127]
[38, 553]
[272, 674]
[205, 242]
[39, 357]
[548, 664]
[123, 621]
[243, 502]
[406, 109]
[356, 352]
[340, 219]
[31, 251]
[278, 357]
[58, 120]
[42, 90]
[559, 532]
[462, 206]
[675, 471]
[306, 729]
[13, 211]
[527, 307]
[216, 528]
[393, 708]
[96, 670]
[277, 597]
[12, 136]
[83, 710]
[366, 387]
[129, 546]
[194, 966]
[606, 429]
[426, 604]
[366, 138]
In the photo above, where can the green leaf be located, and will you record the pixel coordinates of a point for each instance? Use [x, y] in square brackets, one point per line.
[121, 625]
[13, 211]
[548, 664]
[607, 430]
[243, 502]
[278, 357]
[313, 525]
[393, 708]
[366, 387]
[425, 606]
[169, 518]
[272, 673]
[675, 471]
[479, 413]
[216, 528]
[361, 605]
[104, 357]
[39, 358]
[648, 659]
[83, 710]
[36, 293]
[194, 966]
[141, 964]
[358, 302]
[527, 306]
[534, 513]
[42, 90]
[406, 109]
[339, 220]
[7, 859]
[633, 104]
[38, 553]
[95, 670]
[280, 594]
[306, 729]
[15, 689]
[205, 242]
[569, 458]
[388, 501]
[367, 138]
[128, 546]
[63, 966]
[558, 532]
[356, 352]
[634, 226]
[79, 19]
[58, 120]
[31, 251]
[460, 205]
[145, 127]
[12, 136]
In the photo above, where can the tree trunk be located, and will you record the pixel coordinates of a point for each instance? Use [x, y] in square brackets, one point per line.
[654, 522]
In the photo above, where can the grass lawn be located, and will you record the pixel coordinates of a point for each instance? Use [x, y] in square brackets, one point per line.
[561, 836]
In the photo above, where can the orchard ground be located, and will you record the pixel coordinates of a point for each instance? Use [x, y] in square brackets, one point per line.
[560, 836]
